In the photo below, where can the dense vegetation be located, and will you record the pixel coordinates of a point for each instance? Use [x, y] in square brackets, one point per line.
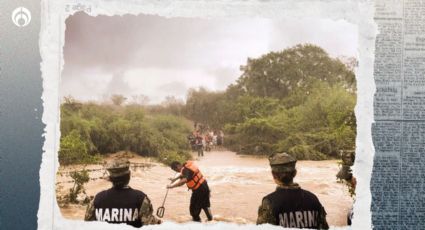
[299, 101]
[89, 130]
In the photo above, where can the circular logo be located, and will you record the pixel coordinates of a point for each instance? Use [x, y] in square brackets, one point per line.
[21, 17]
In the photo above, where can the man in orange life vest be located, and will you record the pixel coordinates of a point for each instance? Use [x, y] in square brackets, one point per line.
[190, 175]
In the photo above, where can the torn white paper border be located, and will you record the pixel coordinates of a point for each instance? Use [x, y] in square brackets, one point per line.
[54, 13]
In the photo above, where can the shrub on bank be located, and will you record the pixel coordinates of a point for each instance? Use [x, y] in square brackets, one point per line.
[73, 150]
[89, 129]
[170, 156]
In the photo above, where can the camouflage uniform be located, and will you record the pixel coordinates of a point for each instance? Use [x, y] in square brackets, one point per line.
[145, 210]
[286, 197]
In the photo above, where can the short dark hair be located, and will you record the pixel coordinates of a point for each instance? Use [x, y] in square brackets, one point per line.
[120, 181]
[174, 165]
[284, 177]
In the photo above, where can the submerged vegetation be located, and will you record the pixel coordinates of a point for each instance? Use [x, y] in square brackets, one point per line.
[299, 101]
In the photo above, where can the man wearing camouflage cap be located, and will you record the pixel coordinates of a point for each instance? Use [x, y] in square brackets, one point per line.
[290, 206]
[121, 204]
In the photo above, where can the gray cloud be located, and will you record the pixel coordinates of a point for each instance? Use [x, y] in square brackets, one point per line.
[151, 55]
[116, 43]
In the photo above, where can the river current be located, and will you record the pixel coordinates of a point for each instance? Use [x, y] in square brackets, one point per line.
[238, 184]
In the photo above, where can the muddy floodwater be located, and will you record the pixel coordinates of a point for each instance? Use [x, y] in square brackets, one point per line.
[237, 184]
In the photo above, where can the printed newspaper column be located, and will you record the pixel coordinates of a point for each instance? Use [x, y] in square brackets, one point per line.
[399, 132]
[388, 114]
[412, 198]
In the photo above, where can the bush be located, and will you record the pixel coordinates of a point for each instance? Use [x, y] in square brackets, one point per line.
[306, 152]
[170, 156]
[80, 178]
[73, 150]
[101, 129]
[315, 129]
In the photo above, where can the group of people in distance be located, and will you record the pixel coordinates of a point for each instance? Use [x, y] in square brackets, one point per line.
[289, 205]
[200, 141]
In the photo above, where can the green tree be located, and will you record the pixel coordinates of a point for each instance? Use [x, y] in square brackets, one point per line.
[278, 74]
[202, 106]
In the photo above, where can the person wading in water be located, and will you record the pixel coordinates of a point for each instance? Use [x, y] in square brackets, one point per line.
[190, 175]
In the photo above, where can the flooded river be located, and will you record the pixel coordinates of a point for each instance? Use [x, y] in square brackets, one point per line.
[237, 184]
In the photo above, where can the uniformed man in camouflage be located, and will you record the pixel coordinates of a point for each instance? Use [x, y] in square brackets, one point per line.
[121, 204]
[290, 206]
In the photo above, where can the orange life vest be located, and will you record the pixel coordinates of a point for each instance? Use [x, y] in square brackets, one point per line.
[197, 178]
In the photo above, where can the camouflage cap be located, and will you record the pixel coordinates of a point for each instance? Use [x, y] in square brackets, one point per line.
[118, 167]
[282, 162]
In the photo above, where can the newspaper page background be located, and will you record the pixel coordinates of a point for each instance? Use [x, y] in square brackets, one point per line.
[398, 174]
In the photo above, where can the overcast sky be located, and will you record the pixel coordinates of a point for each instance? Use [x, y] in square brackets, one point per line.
[159, 57]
